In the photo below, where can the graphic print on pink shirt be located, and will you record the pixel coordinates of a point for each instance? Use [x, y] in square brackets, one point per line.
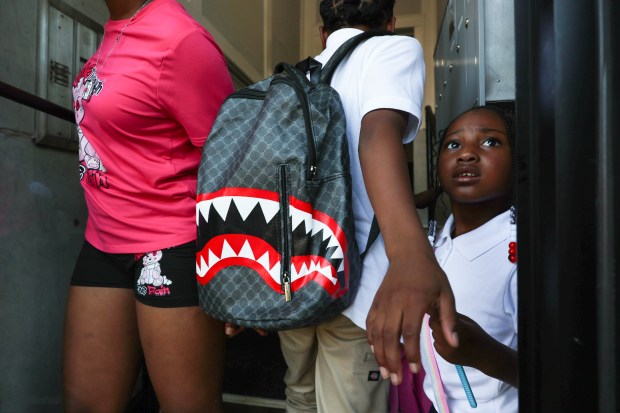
[90, 164]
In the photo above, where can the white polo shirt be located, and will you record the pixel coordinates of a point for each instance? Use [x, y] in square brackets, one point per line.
[484, 283]
[384, 72]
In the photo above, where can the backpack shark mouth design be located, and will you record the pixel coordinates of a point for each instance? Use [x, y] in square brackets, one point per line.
[240, 227]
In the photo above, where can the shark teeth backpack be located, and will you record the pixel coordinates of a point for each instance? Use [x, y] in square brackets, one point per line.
[276, 234]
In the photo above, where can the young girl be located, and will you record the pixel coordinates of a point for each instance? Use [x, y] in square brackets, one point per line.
[477, 250]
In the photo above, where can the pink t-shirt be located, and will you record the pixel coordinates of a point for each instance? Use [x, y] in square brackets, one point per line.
[142, 129]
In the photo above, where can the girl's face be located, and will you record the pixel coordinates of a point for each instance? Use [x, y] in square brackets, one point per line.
[475, 160]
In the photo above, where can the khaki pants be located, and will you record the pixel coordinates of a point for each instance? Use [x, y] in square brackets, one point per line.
[331, 369]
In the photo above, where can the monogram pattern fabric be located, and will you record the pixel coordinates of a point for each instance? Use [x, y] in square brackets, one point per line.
[276, 236]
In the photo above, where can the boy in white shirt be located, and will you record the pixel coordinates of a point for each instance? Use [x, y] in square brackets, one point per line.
[331, 367]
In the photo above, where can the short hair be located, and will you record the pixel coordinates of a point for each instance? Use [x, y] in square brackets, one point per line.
[374, 14]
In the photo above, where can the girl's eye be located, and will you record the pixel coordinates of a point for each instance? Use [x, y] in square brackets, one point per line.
[491, 142]
[452, 145]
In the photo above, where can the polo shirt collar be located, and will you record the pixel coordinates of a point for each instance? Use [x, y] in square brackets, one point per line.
[475, 243]
[337, 38]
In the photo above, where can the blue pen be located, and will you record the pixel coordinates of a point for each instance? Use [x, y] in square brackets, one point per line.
[466, 386]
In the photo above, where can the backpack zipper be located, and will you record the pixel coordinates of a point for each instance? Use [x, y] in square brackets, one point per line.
[285, 276]
[305, 107]
[249, 94]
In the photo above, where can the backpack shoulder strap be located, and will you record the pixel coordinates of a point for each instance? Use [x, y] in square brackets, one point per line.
[372, 236]
[345, 49]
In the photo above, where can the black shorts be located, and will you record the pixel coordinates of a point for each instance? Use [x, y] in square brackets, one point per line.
[164, 278]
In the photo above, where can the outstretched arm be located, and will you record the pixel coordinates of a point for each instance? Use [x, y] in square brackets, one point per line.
[479, 350]
[414, 283]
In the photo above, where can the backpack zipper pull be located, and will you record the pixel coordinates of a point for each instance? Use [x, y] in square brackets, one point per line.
[287, 287]
[313, 171]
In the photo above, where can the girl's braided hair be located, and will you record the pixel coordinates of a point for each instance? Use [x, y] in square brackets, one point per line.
[373, 14]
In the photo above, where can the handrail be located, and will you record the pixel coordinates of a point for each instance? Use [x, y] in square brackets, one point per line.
[35, 102]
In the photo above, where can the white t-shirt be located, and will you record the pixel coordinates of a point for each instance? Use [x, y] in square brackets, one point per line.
[484, 283]
[384, 72]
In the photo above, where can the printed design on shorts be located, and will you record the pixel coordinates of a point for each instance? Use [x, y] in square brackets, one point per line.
[151, 281]
[89, 162]
[254, 242]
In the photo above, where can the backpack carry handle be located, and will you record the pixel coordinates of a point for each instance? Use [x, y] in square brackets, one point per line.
[311, 66]
[293, 72]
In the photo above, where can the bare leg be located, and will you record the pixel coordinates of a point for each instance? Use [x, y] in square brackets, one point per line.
[101, 349]
[184, 353]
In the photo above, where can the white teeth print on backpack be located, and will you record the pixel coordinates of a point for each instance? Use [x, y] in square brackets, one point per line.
[276, 236]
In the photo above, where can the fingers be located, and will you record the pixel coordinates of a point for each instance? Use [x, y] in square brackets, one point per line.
[384, 337]
[448, 316]
[232, 330]
[434, 322]
[412, 325]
